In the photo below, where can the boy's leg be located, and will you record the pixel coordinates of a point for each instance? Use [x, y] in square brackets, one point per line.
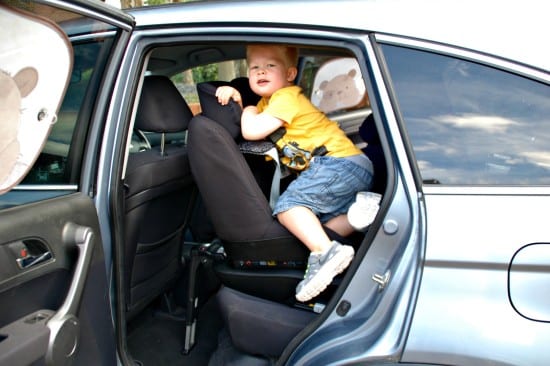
[340, 225]
[305, 225]
[327, 259]
[293, 210]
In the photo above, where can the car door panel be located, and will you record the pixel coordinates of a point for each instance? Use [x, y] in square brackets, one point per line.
[31, 296]
[486, 201]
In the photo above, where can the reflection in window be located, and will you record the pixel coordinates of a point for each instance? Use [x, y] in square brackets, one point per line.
[472, 124]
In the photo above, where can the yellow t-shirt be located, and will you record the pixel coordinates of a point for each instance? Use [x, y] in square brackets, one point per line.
[306, 126]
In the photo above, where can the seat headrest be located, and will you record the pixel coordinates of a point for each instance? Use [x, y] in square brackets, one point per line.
[161, 107]
[229, 115]
[247, 95]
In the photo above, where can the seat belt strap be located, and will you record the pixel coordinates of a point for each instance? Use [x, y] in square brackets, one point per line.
[269, 149]
[276, 182]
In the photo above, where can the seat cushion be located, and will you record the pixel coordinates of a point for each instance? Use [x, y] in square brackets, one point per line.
[260, 327]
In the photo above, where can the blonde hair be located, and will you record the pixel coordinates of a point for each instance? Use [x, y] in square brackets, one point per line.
[289, 53]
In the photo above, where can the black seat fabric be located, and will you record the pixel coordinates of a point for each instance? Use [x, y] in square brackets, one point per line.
[253, 239]
[265, 259]
[374, 151]
[159, 196]
[229, 116]
[237, 206]
[260, 327]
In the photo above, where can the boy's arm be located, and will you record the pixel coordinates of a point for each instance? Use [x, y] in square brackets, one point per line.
[256, 126]
[224, 93]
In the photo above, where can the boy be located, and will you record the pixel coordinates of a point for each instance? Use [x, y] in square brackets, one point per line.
[332, 169]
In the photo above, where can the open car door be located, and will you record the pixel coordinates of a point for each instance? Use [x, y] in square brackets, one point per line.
[54, 296]
[54, 287]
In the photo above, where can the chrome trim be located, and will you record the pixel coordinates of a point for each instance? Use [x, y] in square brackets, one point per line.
[343, 117]
[478, 57]
[97, 12]
[486, 190]
[46, 187]
[86, 37]
[237, 32]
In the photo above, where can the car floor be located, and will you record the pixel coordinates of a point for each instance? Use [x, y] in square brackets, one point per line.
[155, 339]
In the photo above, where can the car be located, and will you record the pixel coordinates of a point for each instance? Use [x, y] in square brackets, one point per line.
[122, 242]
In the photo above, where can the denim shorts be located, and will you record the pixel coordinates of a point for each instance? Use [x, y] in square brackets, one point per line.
[328, 186]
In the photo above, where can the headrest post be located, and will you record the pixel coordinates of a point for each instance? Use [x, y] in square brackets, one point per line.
[162, 141]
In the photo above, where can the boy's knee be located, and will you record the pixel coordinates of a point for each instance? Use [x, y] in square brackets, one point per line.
[281, 217]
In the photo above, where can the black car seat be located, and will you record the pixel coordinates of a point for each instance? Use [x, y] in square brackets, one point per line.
[264, 258]
[159, 196]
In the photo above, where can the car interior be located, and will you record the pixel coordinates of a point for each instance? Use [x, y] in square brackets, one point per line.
[209, 273]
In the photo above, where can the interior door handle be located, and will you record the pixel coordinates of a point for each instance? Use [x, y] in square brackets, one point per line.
[64, 325]
[30, 261]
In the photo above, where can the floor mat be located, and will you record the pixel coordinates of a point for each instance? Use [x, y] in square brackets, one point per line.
[157, 341]
[227, 355]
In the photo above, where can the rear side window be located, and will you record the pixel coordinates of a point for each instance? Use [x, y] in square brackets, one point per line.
[186, 81]
[471, 124]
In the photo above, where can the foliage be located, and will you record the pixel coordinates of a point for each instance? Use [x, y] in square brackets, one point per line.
[205, 73]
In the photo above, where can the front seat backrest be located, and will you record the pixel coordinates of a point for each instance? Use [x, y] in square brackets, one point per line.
[159, 194]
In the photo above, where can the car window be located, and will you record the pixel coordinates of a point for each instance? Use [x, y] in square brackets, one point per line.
[331, 81]
[187, 81]
[228, 70]
[52, 166]
[56, 171]
[471, 124]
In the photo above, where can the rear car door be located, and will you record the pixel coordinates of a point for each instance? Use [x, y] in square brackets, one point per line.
[54, 253]
[478, 130]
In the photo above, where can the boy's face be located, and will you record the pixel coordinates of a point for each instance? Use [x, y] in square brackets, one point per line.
[268, 71]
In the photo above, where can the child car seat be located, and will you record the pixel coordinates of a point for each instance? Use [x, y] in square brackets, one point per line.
[264, 258]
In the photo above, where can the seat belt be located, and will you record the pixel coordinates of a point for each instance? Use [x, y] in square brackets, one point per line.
[269, 148]
[276, 182]
[266, 148]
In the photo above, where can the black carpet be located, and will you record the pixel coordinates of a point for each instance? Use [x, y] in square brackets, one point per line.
[158, 341]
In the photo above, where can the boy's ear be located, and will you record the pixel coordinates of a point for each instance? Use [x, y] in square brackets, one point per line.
[291, 73]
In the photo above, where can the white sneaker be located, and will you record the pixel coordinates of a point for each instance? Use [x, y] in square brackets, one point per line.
[363, 211]
[322, 268]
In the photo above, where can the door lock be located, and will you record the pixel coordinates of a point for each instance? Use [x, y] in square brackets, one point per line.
[381, 280]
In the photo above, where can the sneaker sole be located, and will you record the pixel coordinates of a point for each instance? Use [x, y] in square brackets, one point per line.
[319, 283]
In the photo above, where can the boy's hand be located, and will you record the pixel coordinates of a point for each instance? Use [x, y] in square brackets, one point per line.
[225, 93]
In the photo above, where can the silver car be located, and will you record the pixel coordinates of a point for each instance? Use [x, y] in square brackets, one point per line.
[123, 240]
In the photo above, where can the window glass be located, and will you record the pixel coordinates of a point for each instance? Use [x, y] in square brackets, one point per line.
[471, 124]
[228, 70]
[57, 169]
[187, 81]
[308, 69]
[52, 165]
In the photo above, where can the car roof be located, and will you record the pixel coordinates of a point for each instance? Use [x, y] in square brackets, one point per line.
[517, 31]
